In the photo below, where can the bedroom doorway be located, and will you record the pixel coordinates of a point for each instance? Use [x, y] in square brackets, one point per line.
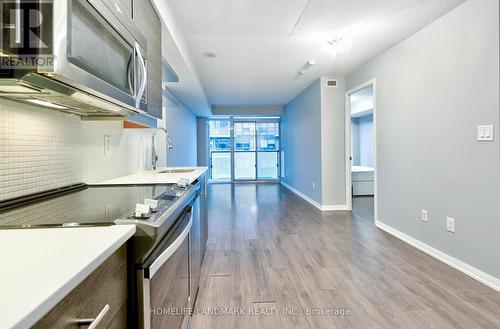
[361, 144]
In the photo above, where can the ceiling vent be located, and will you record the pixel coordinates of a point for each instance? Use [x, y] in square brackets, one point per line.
[330, 83]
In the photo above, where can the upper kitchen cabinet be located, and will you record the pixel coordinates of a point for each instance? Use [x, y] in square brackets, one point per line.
[149, 23]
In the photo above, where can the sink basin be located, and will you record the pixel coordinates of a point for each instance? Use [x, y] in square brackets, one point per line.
[176, 171]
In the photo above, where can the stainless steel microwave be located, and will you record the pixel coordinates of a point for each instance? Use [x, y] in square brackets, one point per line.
[75, 56]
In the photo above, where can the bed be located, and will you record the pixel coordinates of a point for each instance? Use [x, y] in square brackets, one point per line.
[362, 181]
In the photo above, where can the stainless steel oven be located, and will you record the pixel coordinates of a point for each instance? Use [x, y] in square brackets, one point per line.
[163, 281]
[167, 282]
[96, 60]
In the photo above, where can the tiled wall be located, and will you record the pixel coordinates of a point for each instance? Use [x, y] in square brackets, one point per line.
[42, 149]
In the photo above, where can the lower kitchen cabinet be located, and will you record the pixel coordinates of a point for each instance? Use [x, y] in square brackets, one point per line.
[101, 298]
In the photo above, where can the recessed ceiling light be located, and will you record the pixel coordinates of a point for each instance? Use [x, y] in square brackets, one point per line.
[210, 55]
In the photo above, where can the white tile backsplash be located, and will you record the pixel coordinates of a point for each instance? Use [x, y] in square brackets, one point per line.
[42, 149]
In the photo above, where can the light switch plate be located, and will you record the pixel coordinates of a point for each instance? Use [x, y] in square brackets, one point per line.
[107, 145]
[485, 133]
[450, 224]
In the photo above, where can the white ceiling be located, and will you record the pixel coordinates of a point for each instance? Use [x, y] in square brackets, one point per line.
[189, 89]
[262, 44]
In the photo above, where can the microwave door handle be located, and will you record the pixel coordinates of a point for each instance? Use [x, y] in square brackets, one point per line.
[165, 255]
[138, 73]
[130, 73]
[144, 81]
[144, 76]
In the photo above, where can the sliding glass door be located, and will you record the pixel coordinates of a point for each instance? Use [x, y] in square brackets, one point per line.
[220, 149]
[245, 149]
[268, 134]
[245, 162]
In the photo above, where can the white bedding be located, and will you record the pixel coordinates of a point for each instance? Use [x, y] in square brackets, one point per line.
[361, 169]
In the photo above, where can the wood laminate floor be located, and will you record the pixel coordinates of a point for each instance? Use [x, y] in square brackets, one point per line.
[274, 261]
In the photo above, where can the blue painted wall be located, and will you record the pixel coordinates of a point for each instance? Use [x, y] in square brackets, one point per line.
[433, 90]
[182, 127]
[301, 141]
[362, 141]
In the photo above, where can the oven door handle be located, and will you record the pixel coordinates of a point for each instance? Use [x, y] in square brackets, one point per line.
[158, 263]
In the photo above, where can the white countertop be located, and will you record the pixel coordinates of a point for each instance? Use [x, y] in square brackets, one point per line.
[41, 266]
[155, 177]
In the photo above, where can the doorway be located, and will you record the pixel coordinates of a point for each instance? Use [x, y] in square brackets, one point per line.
[244, 149]
[361, 145]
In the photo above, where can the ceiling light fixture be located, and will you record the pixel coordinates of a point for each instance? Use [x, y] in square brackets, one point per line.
[307, 66]
[339, 45]
[210, 55]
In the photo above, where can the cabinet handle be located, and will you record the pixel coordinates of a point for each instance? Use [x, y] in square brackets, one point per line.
[92, 323]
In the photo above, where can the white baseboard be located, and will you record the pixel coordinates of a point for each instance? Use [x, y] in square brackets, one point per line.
[335, 207]
[314, 203]
[485, 278]
[303, 196]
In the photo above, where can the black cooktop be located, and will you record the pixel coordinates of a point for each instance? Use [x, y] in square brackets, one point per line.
[81, 204]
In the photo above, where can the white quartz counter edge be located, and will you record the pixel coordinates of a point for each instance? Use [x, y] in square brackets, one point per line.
[41, 266]
[155, 177]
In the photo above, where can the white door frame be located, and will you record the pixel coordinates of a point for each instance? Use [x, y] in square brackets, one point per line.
[348, 155]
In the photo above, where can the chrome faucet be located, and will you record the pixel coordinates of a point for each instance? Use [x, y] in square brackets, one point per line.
[154, 155]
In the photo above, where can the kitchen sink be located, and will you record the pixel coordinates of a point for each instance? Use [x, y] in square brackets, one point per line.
[176, 171]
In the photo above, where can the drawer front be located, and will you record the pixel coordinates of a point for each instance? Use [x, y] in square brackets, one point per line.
[107, 285]
[119, 320]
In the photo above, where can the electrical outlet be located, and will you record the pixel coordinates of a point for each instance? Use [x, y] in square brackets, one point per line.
[424, 215]
[107, 145]
[450, 224]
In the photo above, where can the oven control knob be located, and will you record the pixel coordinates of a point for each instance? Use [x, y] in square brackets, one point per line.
[142, 211]
[153, 204]
[182, 183]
